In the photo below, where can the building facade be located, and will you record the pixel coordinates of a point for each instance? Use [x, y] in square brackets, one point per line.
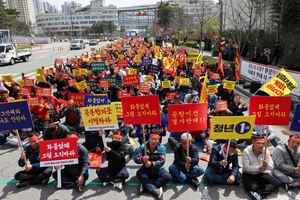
[26, 9]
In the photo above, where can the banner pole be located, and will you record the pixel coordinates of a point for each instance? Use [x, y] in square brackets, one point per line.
[144, 139]
[187, 146]
[21, 146]
[266, 142]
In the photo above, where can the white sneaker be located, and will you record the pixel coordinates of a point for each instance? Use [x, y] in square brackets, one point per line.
[105, 184]
[127, 158]
[118, 185]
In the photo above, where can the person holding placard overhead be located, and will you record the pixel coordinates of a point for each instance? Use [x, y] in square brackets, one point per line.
[33, 173]
[256, 161]
[218, 169]
[185, 167]
[152, 159]
[116, 172]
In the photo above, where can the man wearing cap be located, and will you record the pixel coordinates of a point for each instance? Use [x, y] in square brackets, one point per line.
[55, 130]
[152, 166]
[286, 158]
[218, 169]
[256, 180]
[185, 166]
[116, 172]
[75, 175]
[33, 173]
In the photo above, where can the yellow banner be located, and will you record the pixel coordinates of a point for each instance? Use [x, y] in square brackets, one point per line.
[40, 71]
[21, 83]
[86, 60]
[118, 105]
[192, 56]
[203, 90]
[281, 84]
[166, 84]
[76, 72]
[83, 71]
[81, 85]
[239, 127]
[176, 79]
[99, 117]
[212, 89]
[7, 78]
[121, 56]
[229, 85]
[40, 78]
[184, 81]
[132, 71]
[100, 95]
[137, 58]
[149, 78]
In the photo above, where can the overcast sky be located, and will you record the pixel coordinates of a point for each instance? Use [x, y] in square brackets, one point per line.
[118, 3]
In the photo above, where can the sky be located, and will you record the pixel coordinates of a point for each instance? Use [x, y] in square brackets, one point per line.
[118, 3]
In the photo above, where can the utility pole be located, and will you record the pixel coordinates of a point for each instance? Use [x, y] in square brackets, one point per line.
[221, 15]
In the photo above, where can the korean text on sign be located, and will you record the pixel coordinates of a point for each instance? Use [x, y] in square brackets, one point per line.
[130, 80]
[99, 117]
[78, 98]
[270, 110]
[187, 117]
[232, 127]
[141, 110]
[158, 128]
[15, 115]
[58, 152]
[95, 101]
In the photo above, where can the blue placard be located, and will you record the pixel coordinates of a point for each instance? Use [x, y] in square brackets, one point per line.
[160, 128]
[295, 125]
[15, 115]
[153, 69]
[127, 47]
[95, 101]
[147, 62]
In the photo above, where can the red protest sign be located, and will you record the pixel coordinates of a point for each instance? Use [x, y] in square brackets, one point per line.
[25, 91]
[187, 117]
[141, 110]
[270, 110]
[58, 61]
[144, 88]
[72, 82]
[50, 71]
[197, 72]
[116, 70]
[95, 159]
[215, 76]
[60, 151]
[130, 80]
[171, 95]
[122, 63]
[28, 82]
[221, 106]
[104, 83]
[78, 98]
[123, 93]
[63, 102]
[65, 75]
[33, 101]
[46, 92]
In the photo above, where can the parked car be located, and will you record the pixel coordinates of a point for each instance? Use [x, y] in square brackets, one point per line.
[93, 42]
[77, 44]
[111, 39]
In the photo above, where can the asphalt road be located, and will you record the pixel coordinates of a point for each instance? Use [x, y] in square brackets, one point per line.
[9, 157]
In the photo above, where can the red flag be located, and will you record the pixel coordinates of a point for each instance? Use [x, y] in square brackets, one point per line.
[180, 58]
[237, 63]
[220, 64]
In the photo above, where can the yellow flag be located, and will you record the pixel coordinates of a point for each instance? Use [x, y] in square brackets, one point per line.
[199, 59]
[281, 84]
[203, 90]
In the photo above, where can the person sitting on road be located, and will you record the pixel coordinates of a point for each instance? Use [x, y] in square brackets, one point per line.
[236, 107]
[116, 172]
[152, 166]
[218, 169]
[286, 158]
[185, 167]
[77, 174]
[33, 172]
[41, 112]
[256, 180]
[73, 117]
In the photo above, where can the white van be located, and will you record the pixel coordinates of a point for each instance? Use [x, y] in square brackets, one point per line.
[77, 44]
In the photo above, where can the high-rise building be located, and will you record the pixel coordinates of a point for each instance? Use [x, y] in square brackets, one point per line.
[26, 9]
[38, 6]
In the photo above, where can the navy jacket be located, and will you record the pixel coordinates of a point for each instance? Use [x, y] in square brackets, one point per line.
[194, 154]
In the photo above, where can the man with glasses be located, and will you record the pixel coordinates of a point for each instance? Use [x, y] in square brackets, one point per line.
[256, 180]
[223, 169]
[33, 173]
[286, 158]
[152, 166]
[185, 167]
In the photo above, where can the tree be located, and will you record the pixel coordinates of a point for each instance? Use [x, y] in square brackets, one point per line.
[178, 19]
[165, 13]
